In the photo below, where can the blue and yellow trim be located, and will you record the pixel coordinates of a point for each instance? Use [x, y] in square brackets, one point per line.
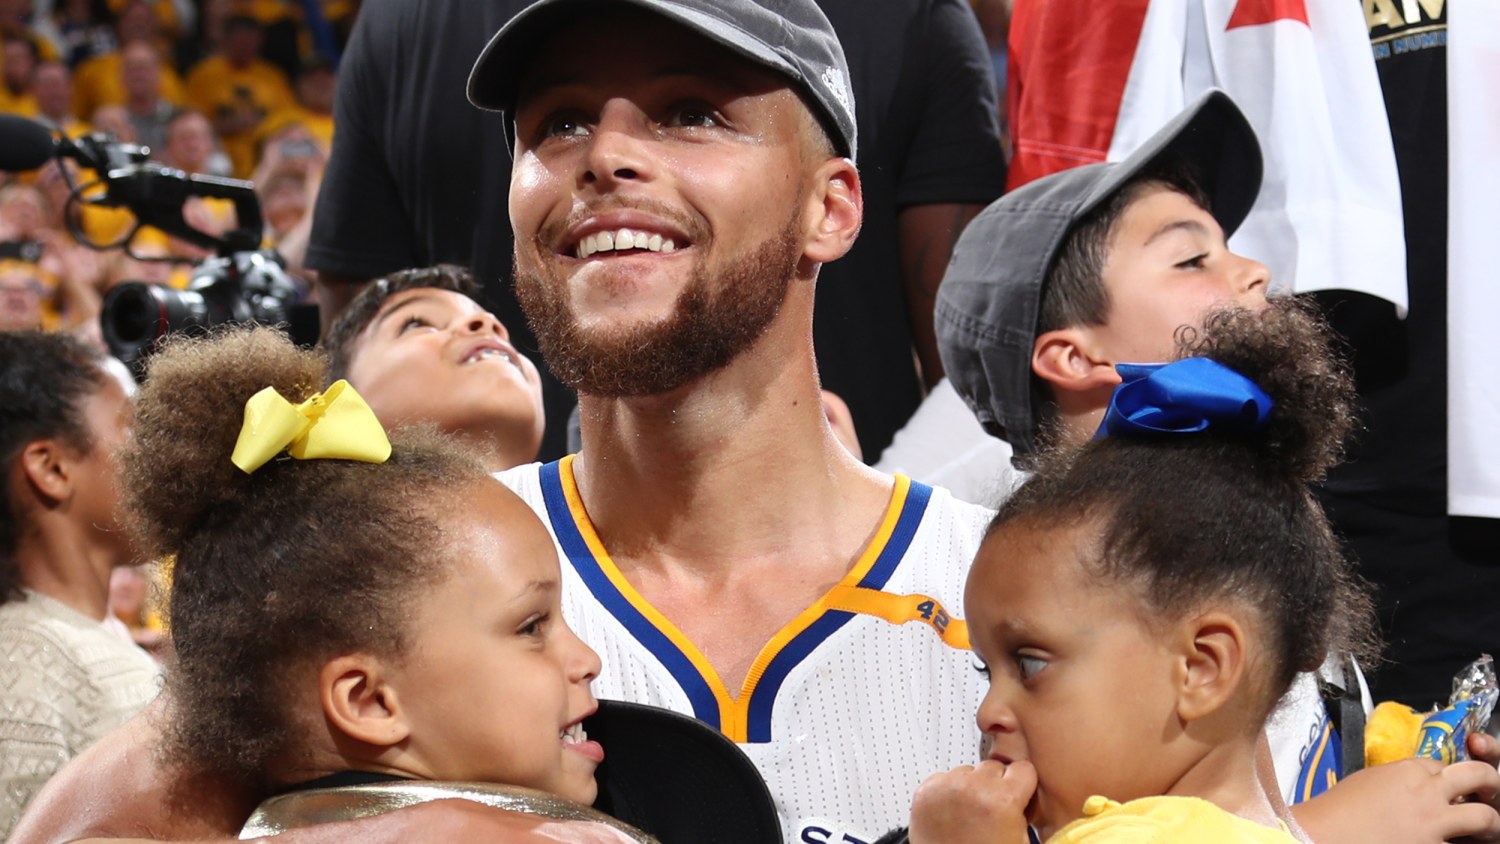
[747, 716]
[1323, 766]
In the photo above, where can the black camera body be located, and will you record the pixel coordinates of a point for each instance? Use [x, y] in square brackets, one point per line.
[243, 283]
[242, 287]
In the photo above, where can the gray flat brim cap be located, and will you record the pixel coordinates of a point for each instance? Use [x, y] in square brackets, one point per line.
[990, 296]
[790, 37]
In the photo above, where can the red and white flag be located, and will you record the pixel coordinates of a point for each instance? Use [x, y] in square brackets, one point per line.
[1091, 81]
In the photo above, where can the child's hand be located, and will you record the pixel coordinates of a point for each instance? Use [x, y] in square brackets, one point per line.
[1413, 801]
[974, 804]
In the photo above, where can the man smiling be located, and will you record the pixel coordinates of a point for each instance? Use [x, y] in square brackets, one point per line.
[681, 171]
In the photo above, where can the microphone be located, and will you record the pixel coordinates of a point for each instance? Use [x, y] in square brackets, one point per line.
[24, 144]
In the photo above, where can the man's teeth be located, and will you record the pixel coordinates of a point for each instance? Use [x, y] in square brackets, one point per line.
[574, 734]
[623, 239]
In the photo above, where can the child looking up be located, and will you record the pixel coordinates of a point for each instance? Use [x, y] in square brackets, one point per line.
[386, 609]
[1142, 603]
[420, 350]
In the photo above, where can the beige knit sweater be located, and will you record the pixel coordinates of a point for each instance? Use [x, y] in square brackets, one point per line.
[65, 681]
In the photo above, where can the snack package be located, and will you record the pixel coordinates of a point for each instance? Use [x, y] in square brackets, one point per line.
[1398, 732]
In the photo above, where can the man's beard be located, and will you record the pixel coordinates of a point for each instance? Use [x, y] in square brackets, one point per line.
[719, 314]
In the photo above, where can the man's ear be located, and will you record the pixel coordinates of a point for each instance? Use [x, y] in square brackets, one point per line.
[48, 468]
[1066, 359]
[1211, 651]
[359, 702]
[835, 211]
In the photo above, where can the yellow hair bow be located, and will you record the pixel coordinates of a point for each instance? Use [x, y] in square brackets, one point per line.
[334, 424]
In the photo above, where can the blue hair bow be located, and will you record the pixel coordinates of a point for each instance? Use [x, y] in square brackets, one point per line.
[1184, 397]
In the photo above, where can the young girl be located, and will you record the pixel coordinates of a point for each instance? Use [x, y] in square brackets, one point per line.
[346, 608]
[1141, 604]
[67, 678]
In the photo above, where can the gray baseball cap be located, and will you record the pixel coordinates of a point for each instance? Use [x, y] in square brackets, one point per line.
[990, 297]
[791, 37]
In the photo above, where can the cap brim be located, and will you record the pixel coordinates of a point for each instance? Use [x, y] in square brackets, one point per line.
[678, 779]
[1213, 138]
[495, 79]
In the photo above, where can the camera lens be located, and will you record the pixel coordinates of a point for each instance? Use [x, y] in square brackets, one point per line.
[136, 315]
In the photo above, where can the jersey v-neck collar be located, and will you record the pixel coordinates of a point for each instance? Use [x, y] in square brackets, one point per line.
[745, 717]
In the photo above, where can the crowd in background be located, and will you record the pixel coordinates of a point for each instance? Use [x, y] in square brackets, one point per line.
[220, 88]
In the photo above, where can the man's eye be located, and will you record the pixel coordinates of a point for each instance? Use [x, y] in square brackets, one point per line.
[694, 115]
[565, 126]
[413, 322]
[1029, 666]
[1194, 263]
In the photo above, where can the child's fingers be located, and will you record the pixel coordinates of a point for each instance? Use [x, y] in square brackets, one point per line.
[1472, 779]
[1484, 747]
[1022, 777]
[1471, 822]
[980, 803]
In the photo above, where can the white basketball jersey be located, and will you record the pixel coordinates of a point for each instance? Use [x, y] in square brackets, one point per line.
[850, 706]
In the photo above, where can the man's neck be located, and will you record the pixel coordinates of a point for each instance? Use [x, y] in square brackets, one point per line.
[738, 465]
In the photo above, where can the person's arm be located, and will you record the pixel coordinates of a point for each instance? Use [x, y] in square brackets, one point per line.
[1414, 800]
[982, 804]
[334, 292]
[953, 164]
[927, 235]
[438, 822]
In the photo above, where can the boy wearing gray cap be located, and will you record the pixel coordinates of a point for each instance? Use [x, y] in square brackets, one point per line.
[1063, 278]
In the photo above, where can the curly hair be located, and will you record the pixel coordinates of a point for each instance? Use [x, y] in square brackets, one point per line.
[1195, 518]
[354, 319]
[278, 570]
[44, 380]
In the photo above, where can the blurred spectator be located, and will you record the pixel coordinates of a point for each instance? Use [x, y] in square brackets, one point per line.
[60, 271]
[114, 120]
[52, 85]
[71, 27]
[141, 73]
[237, 90]
[314, 89]
[136, 596]
[16, 69]
[188, 145]
[15, 20]
[22, 294]
[100, 80]
[287, 181]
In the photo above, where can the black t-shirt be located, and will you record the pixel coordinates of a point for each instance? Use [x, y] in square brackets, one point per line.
[928, 134]
[419, 176]
[1436, 578]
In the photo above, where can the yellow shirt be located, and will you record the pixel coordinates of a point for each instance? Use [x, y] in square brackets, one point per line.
[1164, 820]
[22, 104]
[215, 88]
[97, 82]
